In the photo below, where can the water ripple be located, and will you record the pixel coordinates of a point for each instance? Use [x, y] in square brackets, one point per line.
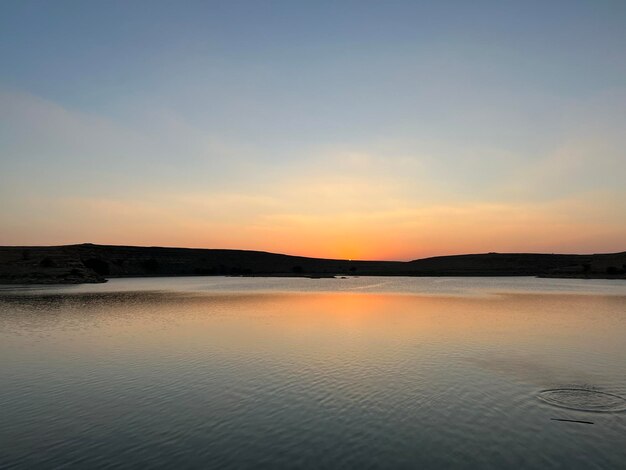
[582, 399]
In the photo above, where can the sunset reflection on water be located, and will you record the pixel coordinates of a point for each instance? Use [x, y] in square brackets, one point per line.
[339, 378]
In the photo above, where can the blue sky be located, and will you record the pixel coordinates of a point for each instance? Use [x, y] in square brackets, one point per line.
[456, 126]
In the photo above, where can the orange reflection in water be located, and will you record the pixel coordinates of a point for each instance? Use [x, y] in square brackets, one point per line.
[522, 321]
[335, 325]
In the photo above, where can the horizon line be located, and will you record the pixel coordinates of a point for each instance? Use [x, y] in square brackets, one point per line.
[313, 257]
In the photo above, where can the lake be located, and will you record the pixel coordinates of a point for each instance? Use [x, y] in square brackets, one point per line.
[363, 372]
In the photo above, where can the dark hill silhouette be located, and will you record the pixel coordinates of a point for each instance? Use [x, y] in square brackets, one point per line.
[94, 263]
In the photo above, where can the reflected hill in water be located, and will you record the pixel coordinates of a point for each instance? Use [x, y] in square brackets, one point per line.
[89, 263]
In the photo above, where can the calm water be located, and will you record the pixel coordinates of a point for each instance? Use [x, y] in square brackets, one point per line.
[300, 373]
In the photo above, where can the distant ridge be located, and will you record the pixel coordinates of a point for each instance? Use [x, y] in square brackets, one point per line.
[94, 263]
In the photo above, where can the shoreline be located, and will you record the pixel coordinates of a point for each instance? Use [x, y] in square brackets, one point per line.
[88, 263]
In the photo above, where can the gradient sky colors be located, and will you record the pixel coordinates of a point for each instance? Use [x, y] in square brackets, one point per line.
[380, 130]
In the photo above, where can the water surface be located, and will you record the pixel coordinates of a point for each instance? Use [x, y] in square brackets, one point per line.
[314, 373]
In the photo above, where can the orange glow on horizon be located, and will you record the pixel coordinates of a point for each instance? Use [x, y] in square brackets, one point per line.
[573, 226]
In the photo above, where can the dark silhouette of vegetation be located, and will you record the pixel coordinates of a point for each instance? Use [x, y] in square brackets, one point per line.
[297, 270]
[614, 271]
[151, 265]
[25, 255]
[205, 271]
[232, 270]
[238, 271]
[99, 266]
[47, 262]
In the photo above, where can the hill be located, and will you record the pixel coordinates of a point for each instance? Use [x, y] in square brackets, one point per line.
[94, 263]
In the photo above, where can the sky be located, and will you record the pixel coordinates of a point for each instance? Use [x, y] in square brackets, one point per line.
[344, 129]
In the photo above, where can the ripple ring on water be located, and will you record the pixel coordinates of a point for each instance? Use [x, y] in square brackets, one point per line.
[582, 399]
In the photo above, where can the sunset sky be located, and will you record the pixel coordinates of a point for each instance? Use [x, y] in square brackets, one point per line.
[352, 129]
